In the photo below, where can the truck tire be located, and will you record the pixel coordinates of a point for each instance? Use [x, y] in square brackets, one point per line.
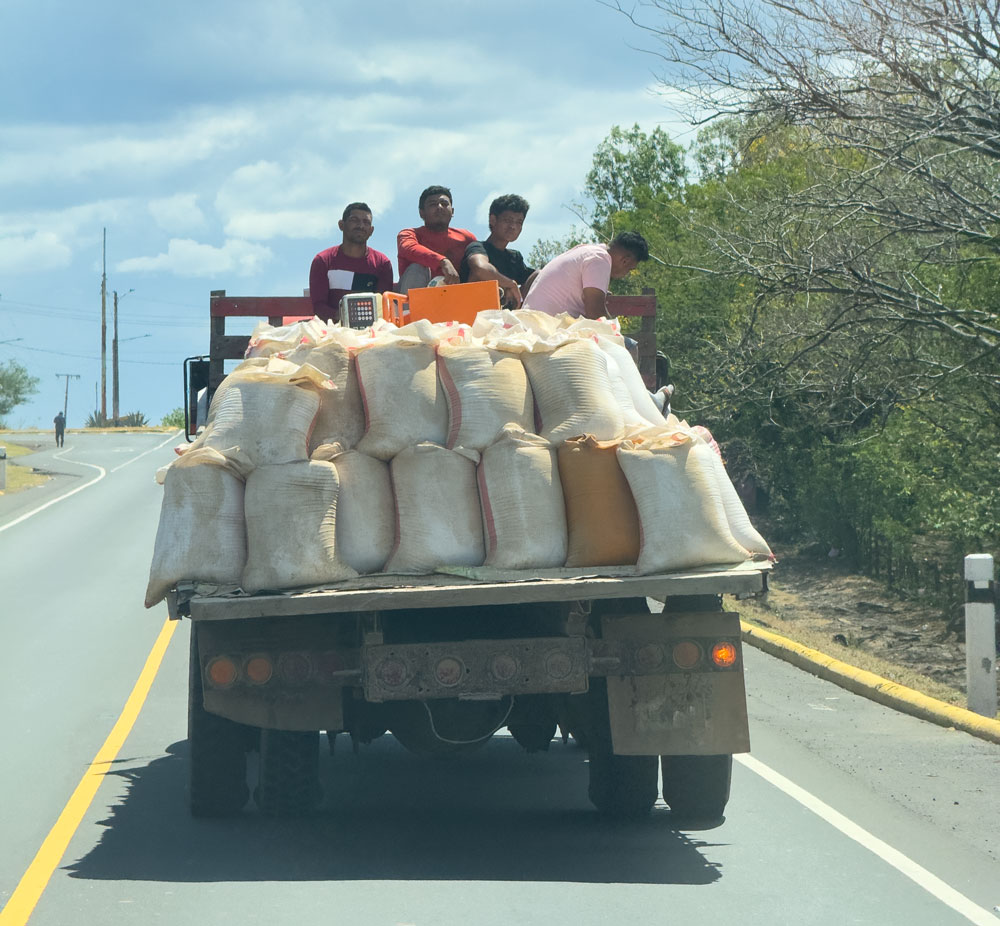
[217, 753]
[289, 773]
[697, 787]
[620, 786]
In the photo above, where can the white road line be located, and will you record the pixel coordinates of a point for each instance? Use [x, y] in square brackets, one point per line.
[151, 450]
[103, 472]
[902, 863]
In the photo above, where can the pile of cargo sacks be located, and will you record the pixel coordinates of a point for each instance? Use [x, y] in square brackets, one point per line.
[522, 442]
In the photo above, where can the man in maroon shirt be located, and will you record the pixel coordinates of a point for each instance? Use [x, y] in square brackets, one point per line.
[349, 267]
[434, 249]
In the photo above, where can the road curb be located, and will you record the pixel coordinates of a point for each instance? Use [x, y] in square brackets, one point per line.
[869, 685]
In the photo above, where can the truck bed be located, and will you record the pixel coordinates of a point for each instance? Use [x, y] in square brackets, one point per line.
[468, 587]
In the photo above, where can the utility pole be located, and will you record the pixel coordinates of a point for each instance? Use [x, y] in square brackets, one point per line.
[68, 376]
[114, 360]
[104, 330]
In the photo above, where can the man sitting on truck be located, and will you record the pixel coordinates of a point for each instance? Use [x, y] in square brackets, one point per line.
[577, 280]
[492, 259]
[349, 267]
[434, 249]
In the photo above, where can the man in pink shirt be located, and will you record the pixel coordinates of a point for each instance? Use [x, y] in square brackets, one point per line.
[434, 249]
[577, 280]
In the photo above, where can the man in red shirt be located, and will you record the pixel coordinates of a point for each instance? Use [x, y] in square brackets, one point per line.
[434, 249]
[349, 267]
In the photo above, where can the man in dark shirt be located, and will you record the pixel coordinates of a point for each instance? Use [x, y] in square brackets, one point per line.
[349, 267]
[492, 259]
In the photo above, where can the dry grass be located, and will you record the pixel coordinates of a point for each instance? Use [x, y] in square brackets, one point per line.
[790, 615]
[20, 478]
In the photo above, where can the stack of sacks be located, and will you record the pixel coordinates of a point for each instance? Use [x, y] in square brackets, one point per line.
[524, 441]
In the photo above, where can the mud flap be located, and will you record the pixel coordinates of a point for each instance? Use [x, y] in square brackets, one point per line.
[698, 711]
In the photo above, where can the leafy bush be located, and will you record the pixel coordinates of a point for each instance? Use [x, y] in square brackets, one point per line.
[174, 419]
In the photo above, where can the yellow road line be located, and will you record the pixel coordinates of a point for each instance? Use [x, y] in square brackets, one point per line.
[870, 685]
[29, 889]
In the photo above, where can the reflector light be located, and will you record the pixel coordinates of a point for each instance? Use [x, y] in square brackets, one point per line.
[259, 670]
[294, 667]
[558, 665]
[449, 671]
[724, 654]
[504, 667]
[222, 672]
[392, 672]
[686, 654]
[649, 656]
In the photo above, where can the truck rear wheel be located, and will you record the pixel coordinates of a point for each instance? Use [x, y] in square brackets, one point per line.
[289, 773]
[217, 750]
[620, 786]
[697, 787]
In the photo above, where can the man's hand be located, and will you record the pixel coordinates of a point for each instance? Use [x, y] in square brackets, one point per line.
[447, 269]
[511, 292]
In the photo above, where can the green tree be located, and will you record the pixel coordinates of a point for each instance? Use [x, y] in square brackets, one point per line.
[174, 419]
[16, 385]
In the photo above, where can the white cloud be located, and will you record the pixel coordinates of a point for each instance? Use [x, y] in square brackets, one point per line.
[177, 213]
[33, 253]
[187, 258]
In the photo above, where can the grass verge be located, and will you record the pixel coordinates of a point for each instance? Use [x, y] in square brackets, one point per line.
[20, 477]
[786, 614]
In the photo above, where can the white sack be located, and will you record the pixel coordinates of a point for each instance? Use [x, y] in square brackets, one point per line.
[265, 415]
[678, 496]
[742, 529]
[639, 398]
[201, 535]
[485, 389]
[573, 393]
[270, 340]
[524, 518]
[291, 515]
[438, 519]
[341, 415]
[366, 512]
[403, 400]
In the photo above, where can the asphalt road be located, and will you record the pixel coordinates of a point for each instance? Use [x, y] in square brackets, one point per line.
[863, 815]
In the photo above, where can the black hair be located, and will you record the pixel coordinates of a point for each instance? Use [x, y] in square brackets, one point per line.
[361, 207]
[509, 202]
[435, 191]
[634, 243]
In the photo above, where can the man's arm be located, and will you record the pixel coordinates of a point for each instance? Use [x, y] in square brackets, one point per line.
[319, 287]
[411, 251]
[383, 274]
[595, 304]
[480, 268]
[526, 285]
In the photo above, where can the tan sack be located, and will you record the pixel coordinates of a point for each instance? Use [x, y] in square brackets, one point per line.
[676, 488]
[201, 535]
[485, 389]
[601, 515]
[291, 515]
[403, 400]
[524, 519]
[366, 512]
[438, 519]
[572, 389]
[265, 414]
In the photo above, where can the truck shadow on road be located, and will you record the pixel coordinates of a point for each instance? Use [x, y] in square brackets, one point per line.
[497, 814]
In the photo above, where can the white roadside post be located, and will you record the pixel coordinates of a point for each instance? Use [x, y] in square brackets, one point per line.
[3, 469]
[980, 634]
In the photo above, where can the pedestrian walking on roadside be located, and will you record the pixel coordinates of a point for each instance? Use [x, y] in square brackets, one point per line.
[60, 422]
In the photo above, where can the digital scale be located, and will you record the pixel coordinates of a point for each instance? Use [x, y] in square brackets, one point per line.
[359, 310]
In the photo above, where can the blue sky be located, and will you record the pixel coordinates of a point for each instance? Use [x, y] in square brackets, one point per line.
[218, 143]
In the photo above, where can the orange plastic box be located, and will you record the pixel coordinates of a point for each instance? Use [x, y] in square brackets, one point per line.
[457, 303]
